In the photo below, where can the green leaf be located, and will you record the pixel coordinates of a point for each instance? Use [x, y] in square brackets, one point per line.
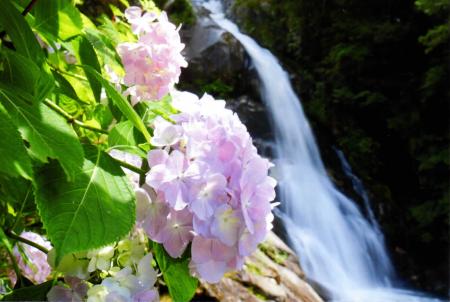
[14, 159]
[86, 55]
[20, 32]
[17, 192]
[64, 86]
[21, 72]
[57, 19]
[30, 293]
[68, 104]
[125, 137]
[106, 49]
[176, 274]
[45, 83]
[150, 110]
[123, 105]
[103, 115]
[96, 209]
[124, 134]
[48, 134]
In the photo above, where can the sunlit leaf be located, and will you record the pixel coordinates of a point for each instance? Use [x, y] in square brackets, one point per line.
[57, 19]
[49, 134]
[95, 209]
[123, 105]
[86, 55]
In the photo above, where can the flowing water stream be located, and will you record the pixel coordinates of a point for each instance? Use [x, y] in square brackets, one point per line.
[339, 248]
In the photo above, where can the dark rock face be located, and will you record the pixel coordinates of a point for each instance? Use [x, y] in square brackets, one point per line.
[218, 65]
[212, 54]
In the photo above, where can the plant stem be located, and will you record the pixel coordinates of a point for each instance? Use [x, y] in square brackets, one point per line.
[11, 235]
[71, 119]
[73, 75]
[144, 167]
[130, 167]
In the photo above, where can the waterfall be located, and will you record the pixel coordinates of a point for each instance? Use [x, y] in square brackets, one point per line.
[358, 187]
[338, 247]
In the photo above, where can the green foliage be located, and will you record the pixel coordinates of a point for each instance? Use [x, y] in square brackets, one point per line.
[19, 32]
[121, 103]
[14, 160]
[56, 176]
[48, 133]
[21, 72]
[56, 19]
[435, 37]
[94, 209]
[85, 54]
[48, 109]
[432, 7]
[125, 137]
[176, 274]
[217, 88]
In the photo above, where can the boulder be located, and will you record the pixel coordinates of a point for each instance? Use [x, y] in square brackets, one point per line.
[212, 54]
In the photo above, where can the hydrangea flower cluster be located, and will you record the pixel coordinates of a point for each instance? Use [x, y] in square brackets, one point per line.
[31, 261]
[206, 185]
[153, 63]
[128, 285]
[126, 268]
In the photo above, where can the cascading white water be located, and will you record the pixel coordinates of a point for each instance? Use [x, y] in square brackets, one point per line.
[338, 248]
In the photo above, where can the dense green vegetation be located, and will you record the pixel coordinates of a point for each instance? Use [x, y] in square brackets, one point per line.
[373, 76]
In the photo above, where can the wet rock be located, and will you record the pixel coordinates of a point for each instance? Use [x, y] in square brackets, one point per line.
[272, 273]
[218, 65]
[214, 56]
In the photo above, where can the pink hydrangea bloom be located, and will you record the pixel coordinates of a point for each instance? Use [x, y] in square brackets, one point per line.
[31, 261]
[208, 185]
[153, 63]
